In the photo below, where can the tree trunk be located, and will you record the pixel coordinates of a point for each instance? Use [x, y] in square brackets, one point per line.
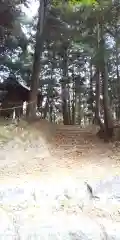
[91, 87]
[79, 109]
[66, 120]
[118, 76]
[36, 59]
[69, 105]
[73, 102]
[97, 77]
[46, 109]
[108, 121]
[97, 95]
[51, 112]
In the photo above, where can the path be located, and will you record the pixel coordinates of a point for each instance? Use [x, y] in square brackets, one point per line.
[42, 190]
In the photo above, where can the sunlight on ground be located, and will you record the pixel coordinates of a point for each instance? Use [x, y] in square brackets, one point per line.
[42, 188]
[56, 208]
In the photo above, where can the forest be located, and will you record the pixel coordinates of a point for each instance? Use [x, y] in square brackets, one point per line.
[60, 119]
[70, 51]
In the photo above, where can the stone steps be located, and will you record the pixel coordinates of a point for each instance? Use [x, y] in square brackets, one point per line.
[73, 133]
[71, 136]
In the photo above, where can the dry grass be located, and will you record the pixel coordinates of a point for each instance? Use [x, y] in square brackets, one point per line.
[22, 130]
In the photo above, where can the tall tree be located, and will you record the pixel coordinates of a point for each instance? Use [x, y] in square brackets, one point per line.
[42, 15]
[108, 121]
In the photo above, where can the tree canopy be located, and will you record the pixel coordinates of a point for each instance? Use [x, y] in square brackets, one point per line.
[77, 55]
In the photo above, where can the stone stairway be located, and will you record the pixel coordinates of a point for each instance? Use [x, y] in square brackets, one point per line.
[69, 136]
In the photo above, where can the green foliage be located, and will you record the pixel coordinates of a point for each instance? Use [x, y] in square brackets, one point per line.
[70, 4]
[80, 29]
[73, 2]
[85, 2]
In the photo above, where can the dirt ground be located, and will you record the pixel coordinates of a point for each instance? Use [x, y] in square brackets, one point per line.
[58, 159]
[42, 148]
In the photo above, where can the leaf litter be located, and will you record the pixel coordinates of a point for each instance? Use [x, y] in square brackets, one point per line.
[55, 161]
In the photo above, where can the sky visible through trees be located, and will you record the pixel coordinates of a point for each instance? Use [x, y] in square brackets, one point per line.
[67, 51]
